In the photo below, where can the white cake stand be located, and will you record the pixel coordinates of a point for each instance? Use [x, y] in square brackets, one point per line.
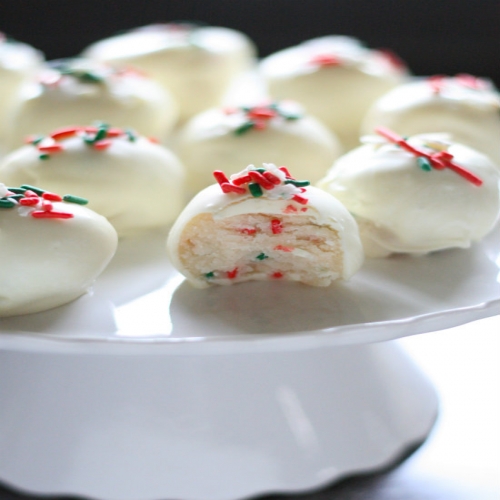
[149, 389]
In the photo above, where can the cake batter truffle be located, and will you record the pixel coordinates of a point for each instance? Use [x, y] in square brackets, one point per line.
[73, 91]
[416, 195]
[134, 182]
[464, 106]
[18, 63]
[196, 63]
[262, 224]
[52, 248]
[278, 132]
[336, 78]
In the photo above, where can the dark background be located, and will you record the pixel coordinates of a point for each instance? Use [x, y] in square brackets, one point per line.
[440, 36]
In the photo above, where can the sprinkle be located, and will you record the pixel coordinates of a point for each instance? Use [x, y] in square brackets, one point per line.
[16, 190]
[64, 133]
[51, 196]
[283, 248]
[209, 275]
[42, 214]
[244, 179]
[47, 206]
[75, 199]
[325, 60]
[272, 178]
[220, 176]
[260, 179]
[439, 160]
[424, 163]
[261, 256]
[132, 137]
[232, 274]
[277, 275]
[248, 230]
[276, 226]
[7, 203]
[289, 209]
[255, 189]
[300, 199]
[297, 183]
[44, 156]
[244, 128]
[34, 139]
[29, 202]
[262, 112]
[34, 189]
[230, 188]
[286, 172]
[102, 144]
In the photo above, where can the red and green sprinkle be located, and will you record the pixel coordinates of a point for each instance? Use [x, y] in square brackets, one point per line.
[428, 161]
[39, 202]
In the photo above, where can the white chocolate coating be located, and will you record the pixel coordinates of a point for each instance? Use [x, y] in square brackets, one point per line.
[471, 115]
[125, 98]
[45, 263]
[135, 184]
[197, 64]
[18, 63]
[323, 210]
[338, 94]
[211, 141]
[402, 208]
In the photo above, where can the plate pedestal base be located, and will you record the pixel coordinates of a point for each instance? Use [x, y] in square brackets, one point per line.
[206, 427]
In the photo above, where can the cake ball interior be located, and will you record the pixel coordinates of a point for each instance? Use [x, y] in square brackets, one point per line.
[260, 246]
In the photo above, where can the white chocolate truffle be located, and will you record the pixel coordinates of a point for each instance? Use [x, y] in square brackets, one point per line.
[196, 63]
[72, 91]
[135, 183]
[261, 224]
[18, 63]
[335, 78]
[51, 251]
[466, 107]
[416, 196]
[279, 133]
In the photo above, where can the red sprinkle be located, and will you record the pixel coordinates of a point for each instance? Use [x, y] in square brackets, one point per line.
[277, 275]
[220, 176]
[103, 144]
[326, 60]
[258, 177]
[241, 180]
[30, 201]
[272, 178]
[276, 226]
[231, 188]
[64, 133]
[300, 199]
[286, 172]
[232, 274]
[47, 206]
[289, 209]
[51, 196]
[261, 112]
[30, 194]
[152, 140]
[50, 148]
[439, 160]
[248, 230]
[283, 248]
[42, 214]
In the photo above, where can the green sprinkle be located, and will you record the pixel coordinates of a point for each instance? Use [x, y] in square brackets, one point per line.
[16, 190]
[255, 189]
[260, 170]
[209, 275]
[44, 156]
[16, 196]
[262, 256]
[131, 135]
[75, 199]
[424, 163]
[297, 183]
[289, 117]
[88, 77]
[37, 140]
[36, 190]
[6, 203]
[101, 133]
[244, 128]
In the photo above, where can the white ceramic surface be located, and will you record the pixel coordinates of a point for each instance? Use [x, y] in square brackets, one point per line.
[148, 389]
[142, 305]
